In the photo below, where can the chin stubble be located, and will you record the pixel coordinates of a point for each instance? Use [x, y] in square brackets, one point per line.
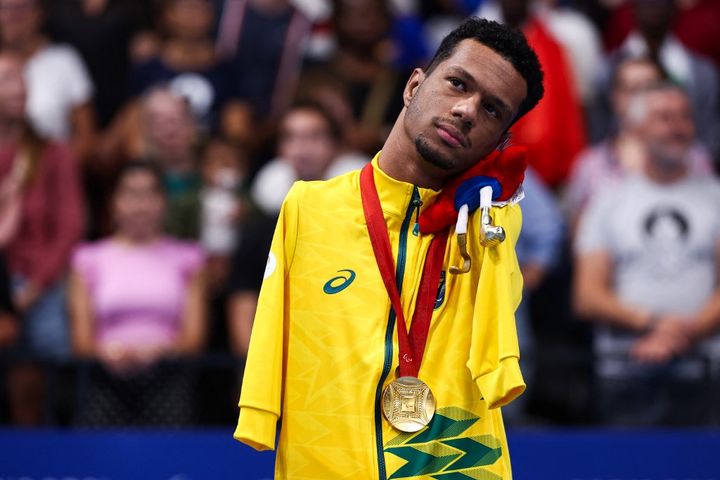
[432, 155]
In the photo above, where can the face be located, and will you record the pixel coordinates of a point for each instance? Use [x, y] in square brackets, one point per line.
[222, 166]
[20, 20]
[12, 89]
[139, 205]
[189, 18]
[632, 77]
[365, 34]
[307, 143]
[458, 113]
[668, 129]
[168, 123]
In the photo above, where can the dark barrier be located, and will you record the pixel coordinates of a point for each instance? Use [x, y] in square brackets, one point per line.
[213, 455]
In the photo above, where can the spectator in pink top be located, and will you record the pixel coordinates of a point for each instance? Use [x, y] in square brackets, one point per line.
[136, 301]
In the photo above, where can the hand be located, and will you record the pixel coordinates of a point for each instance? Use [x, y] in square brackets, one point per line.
[124, 359]
[8, 330]
[667, 339]
[118, 358]
[533, 275]
[147, 356]
[27, 296]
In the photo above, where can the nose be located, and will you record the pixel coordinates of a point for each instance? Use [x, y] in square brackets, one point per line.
[466, 110]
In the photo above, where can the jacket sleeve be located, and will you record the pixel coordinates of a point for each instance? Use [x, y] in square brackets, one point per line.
[262, 387]
[494, 352]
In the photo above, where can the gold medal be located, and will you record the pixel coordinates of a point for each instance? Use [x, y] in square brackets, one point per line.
[408, 404]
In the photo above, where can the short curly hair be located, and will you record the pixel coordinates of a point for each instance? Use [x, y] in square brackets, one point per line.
[509, 43]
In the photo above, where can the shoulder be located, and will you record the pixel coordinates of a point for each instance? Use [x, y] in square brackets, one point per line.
[705, 71]
[59, 157]
[707, 187]
[183, 250]
[347, 163]
[86, 255]
[595, 157]
[331, 193]
[613, 197]
[58, 151]
[271, 185]
[57, 54]
[623, 190]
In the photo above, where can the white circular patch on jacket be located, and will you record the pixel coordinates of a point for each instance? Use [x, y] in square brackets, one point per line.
[270, 265]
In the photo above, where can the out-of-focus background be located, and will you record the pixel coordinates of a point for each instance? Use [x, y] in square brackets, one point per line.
[146, 147]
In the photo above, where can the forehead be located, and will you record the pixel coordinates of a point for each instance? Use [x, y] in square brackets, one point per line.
[304, 119]
[138, 179]
[220, 153]
[630, 72]
[165, 103]
[489, 70]
[189, 3]
[19, 5]
[668, 100]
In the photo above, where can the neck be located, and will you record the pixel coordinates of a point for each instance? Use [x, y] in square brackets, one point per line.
[11, 131]
[193, 43]
[654, 43]
[178, 164]
[176, 161]
[664, 174]
[400, 160]
[26, 49]
[137, 238]
[189, 52]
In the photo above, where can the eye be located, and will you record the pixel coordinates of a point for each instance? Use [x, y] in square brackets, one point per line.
[491, 110]
[457, 83]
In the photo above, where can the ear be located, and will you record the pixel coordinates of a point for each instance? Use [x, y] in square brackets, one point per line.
[416, 78]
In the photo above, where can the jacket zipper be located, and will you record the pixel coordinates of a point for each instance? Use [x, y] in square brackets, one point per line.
[414, 206]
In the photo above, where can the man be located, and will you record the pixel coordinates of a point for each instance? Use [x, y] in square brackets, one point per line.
[599, 167]
[309, 148]
[264, 72]
[325, 346]
[653, 38]
[166, 134]
[647, 263]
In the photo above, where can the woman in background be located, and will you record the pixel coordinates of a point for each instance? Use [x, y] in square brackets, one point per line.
[60, 90]
[136, 301]
[41, 220]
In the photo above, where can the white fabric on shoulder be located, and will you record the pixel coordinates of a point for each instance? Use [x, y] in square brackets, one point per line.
[57, 82]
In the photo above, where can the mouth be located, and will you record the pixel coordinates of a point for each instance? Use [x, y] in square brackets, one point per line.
[451, 136]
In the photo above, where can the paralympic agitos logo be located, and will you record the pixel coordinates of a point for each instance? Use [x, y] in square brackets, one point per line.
[339, 283]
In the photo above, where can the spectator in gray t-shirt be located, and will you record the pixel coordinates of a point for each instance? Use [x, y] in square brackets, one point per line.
[646, 274]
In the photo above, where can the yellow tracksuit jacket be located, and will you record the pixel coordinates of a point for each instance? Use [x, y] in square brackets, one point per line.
[324, 343]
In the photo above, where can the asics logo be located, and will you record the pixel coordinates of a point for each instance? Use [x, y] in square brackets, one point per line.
[339, 283]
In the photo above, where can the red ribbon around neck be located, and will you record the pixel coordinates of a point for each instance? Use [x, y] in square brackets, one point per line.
[412, 344]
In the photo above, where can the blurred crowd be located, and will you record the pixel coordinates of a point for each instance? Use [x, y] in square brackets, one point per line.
[146, 147]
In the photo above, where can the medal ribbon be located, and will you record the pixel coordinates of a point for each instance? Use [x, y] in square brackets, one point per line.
[412, 344]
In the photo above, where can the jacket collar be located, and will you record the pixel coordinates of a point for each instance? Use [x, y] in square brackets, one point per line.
[395, 195]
